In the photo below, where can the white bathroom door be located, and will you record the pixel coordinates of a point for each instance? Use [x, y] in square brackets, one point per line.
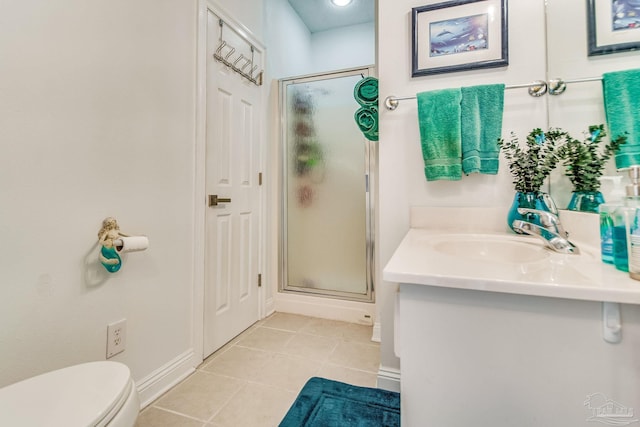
[233, 210]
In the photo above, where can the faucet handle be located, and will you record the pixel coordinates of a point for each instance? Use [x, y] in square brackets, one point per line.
[547, 219]
[550, 204]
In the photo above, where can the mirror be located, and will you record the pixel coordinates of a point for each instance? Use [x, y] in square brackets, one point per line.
[581, 104]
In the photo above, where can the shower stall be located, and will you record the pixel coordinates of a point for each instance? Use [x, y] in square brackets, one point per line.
[327, 186]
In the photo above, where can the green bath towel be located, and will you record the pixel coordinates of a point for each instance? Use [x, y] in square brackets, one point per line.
[367, 120]
[366, 91]
[440, 135]
[481, 117]
[621, 92]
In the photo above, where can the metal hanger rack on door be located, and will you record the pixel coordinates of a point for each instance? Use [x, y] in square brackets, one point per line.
[241, 64]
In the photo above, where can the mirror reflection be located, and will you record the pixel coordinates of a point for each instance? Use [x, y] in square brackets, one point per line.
[581, 105]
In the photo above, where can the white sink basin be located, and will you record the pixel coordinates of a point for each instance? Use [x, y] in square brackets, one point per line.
[489, 247]
[508, 263]
[483, 258]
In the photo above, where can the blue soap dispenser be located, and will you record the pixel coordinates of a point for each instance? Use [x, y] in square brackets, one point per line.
[631, 203]
[633, 226]
[606, 211]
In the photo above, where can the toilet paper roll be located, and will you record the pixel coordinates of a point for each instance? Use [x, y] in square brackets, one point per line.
[132, 244]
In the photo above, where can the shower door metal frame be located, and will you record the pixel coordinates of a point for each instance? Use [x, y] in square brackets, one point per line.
[370, 178]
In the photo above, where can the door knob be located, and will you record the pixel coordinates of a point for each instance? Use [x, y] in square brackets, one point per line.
[214, 200]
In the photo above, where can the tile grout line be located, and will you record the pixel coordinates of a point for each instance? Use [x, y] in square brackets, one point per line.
[339, 338]
[224, 405]
[171, 411]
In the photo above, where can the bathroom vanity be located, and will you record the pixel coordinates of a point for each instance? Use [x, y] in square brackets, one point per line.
[492, 329]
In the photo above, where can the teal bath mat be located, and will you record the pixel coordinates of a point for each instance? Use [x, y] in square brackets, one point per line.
[327, 403]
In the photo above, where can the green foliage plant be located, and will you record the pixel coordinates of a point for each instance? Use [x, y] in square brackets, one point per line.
[584, 161]
[532, 163]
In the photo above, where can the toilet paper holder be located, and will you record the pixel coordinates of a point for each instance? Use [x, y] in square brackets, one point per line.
[114, 242]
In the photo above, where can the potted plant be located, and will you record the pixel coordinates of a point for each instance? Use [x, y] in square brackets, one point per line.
[530, 165]
[584, 163]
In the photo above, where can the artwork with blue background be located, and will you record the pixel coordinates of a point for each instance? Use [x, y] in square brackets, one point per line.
[625, 15]
[464, 34]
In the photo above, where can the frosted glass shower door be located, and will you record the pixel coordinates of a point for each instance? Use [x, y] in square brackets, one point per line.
[327, 238]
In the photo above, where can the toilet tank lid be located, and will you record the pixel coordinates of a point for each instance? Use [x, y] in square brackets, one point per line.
[79, 395]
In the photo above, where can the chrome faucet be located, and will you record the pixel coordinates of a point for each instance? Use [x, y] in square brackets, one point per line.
[550, 230]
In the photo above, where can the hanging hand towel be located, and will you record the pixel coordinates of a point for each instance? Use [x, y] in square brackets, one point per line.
[367, 120]
[439, 120]
[481, 111]
[621, 92]
[366, 91]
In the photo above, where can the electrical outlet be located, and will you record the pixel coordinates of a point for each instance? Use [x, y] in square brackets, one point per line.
[116, 337]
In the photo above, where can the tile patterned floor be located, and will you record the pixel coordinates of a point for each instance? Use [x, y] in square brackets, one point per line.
[252, 381]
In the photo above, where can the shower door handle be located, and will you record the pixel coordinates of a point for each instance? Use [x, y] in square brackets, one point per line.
[214, 200]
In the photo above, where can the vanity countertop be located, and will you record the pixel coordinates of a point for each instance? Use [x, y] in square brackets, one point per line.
[519, 265]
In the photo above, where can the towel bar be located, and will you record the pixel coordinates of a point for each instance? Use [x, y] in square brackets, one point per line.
[536, 88]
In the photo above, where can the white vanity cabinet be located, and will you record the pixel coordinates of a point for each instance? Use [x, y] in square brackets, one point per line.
[521, 349]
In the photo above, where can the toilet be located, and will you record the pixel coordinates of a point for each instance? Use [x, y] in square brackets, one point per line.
[93, 394]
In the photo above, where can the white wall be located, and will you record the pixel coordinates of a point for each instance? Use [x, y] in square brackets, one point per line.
[288, 41]
[97, 112]
[402, 181]
[294, 51]
[247, 13]
[97, 119]
[343, 47]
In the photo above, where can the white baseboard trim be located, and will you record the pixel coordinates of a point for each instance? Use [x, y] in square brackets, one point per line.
[326, 308]
[162, 379]
[389, 379]
[269, 307]
[376, 334]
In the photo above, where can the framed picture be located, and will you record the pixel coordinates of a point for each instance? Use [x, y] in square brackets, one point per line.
[458, 36]
[613, 26]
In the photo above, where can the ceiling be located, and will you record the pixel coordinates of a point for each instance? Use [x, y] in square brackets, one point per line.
[322, 15]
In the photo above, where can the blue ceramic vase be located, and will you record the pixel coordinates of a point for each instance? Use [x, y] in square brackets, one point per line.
[532, 200]
[585, 201]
